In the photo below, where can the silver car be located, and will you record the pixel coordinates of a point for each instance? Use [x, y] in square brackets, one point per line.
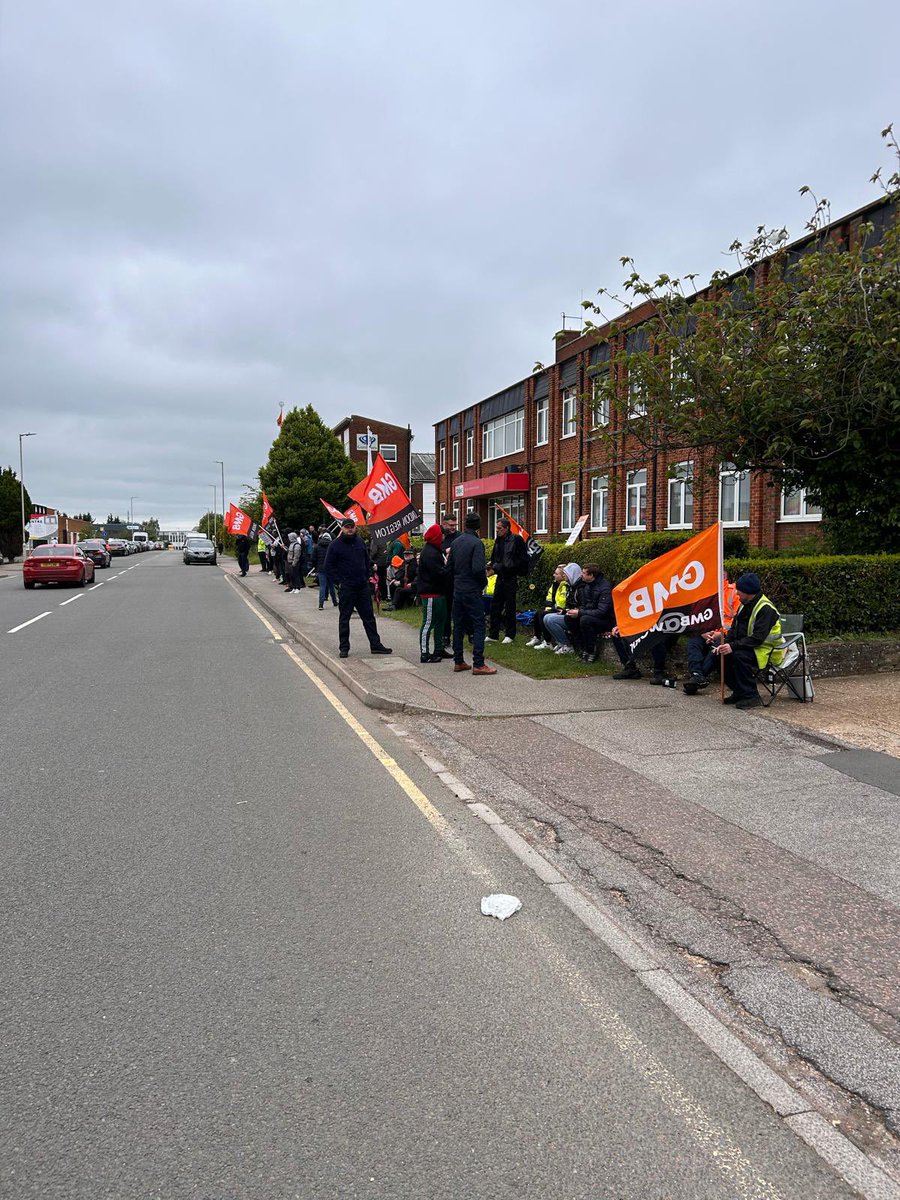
[199, 550]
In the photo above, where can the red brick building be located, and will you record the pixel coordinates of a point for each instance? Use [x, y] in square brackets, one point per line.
[539, 450]
[394, 442]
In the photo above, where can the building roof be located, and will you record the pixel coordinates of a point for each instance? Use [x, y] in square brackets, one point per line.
[355, 419]
[421, 468]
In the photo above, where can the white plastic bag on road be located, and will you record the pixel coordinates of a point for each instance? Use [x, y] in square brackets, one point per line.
[500, 906]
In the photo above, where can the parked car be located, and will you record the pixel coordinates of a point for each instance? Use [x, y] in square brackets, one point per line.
[116, 548]
[96, 551]
[58, 564]
[199, 549]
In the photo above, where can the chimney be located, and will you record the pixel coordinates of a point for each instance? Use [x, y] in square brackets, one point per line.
[563, 337]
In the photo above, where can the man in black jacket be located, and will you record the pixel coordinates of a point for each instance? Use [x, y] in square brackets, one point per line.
[591, 613]
[467, 569]
[242, 547]
[509, 558]
[449, 534]
[347, 564]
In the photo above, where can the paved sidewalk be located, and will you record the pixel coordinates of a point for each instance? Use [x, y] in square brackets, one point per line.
[749, 847]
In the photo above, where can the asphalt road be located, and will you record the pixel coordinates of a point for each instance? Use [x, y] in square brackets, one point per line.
[238, 961]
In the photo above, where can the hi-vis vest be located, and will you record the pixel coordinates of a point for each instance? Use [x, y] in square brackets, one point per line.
[772, 649]
[261, 545]
[562, 592]
[491, 585]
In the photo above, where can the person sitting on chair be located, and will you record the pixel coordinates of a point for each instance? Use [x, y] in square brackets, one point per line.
[753, 641]
[403, 585]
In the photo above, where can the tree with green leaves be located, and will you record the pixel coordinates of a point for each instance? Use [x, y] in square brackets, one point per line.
[11, 532]
[306, 463]
[790, 365]
[151, 528]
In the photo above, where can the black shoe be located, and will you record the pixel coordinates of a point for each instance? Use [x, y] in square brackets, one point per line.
[732, 699]
[657, 678]
[427, 658]
[589, 658]
[749, 702]
[629, 672]
[382, 650]
[695, 684]
[344, 653]
[321, 606]
[445, 653]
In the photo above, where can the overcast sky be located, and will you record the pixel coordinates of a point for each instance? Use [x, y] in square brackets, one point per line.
[208, 208]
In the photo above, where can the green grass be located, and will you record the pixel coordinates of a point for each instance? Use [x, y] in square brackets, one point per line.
[543, 664]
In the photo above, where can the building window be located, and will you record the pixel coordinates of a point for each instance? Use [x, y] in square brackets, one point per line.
[541, 501]
[542, 421]
[569, 412]
[346, 437]
[470, 447]
[680, 380]
[388, 452]
[454, 453]
[567, 508]
[504, 435]
[513, 504]
[442, 458]
[637, 402]
[681, 496]
[456, 512]
[442, 514]
[636, 500]
[796, 507]
[599, 400]
[599, 501]
[734, 495]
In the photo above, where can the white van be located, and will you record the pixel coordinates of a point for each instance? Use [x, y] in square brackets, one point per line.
[142, 539]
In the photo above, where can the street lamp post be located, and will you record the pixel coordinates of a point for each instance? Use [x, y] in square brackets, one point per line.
[222, 465]
[131, 509]
[215, 518]
[25, 540]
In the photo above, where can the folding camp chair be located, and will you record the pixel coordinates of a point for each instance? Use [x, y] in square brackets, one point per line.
[792, 670]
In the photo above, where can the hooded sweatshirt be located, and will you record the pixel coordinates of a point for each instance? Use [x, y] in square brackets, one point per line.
[433, 575]
[321, 550]
[295, 549]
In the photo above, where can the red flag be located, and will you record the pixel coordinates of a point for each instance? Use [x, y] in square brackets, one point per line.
[237, 521]
[380, 494]
[280, 417]
[267, 511]
[678, 592]
[331, 510]
[355, 513]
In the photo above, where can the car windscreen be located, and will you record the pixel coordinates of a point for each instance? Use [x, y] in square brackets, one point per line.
[199, 544]
[54, 551]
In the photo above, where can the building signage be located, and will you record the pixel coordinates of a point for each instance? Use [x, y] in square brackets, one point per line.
[43, 525]
[493, 485]
[579, 525]
[367, 441]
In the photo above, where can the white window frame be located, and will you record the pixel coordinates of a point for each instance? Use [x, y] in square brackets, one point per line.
[503, 436]
[681, 490]
[567, 501]
[542, 421]
[599, 408]
[513, 503]
[804, 505]
[470, 447]
[389, 451]
[600, 495]
[742, 480]
[569, 413]
[454, 453]
[637, 401]
[541, 509]
[456, 507]
[442, 458]
[636, 491]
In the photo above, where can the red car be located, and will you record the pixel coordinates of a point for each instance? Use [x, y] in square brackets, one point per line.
[58, 564]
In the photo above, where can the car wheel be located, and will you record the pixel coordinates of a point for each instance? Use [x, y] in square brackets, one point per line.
[83, 580]
[29, 585]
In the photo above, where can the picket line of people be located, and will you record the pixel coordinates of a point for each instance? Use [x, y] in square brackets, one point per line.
[462, 593]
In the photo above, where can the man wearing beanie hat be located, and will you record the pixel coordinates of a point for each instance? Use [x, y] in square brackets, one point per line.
[753, 641]
[468, 570]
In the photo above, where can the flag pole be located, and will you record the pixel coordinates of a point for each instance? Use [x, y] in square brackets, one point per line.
[368, 451]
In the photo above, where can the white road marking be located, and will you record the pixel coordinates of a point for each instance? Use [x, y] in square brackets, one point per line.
[94, 588]
[39, 617]
[69, 601]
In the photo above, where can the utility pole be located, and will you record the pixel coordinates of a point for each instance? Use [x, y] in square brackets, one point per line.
[25, 540]
[222, 465]
[131, 501]
[215, 519]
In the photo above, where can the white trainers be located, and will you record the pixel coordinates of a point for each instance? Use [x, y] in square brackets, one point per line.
[564, 650]
[532, 641]
[490, 639]
[542, 646]
[507, 642]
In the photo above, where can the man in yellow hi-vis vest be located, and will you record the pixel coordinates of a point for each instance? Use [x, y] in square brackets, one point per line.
[753, 641]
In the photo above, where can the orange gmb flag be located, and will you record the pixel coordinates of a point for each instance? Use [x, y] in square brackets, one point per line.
[679, 592]
[514, 526]
[390, 510]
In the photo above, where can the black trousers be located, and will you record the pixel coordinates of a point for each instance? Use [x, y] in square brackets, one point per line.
[589, 628]
[356, 596]
[740, 672]
[448, 625]
[243, 561]
[468, 614]
[503, 606]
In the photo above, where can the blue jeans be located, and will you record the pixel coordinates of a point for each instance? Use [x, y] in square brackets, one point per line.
[555, 626]
[468, 614]
[326, 587]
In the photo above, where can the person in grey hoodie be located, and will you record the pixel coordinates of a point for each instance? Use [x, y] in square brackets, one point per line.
[326, 585]
[294, 560]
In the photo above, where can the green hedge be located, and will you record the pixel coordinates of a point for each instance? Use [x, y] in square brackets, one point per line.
[836, 594]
